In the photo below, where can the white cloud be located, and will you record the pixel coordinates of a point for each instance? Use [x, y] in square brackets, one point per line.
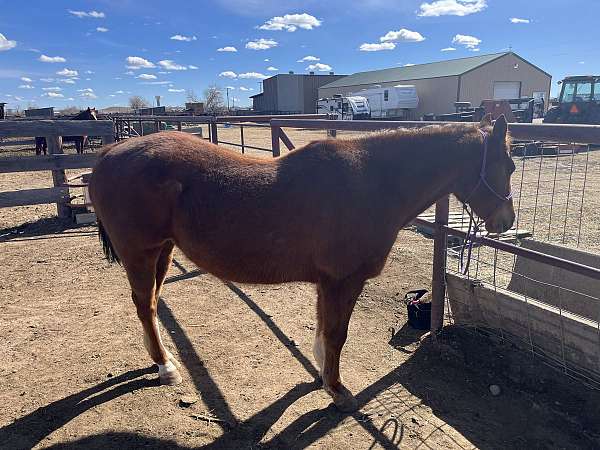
[82, 14]
[253, 75]
[89, 72]
[119, 92]
[101, 29]
[111, 95]
[451, 8]
[26, 80]
[308, 58]
[291, 22]
[228, 74]
[408, 64]
[319, 67]
[402, 35]
[53, 95]
[47, 80]
[51, 59]
[26, 86]
[179, 37]
[67, 72]
[129, 72]
[66, 80]
[6, 44]
[85, 90]
[242, 88]
[272, 69]
[231, 88]
[146, 76]
[377, 47]
[266, 60]
[192, 67]
[52, 88]
[155, 82]
[89, 95]
[517, 20]
[470, 42]
[137, 62]
[171, 65]
[448, 49]
[228, 48]
[176, 90]
[261, 44]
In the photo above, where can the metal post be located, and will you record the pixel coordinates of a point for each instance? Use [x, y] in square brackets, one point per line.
[438, 283]
[141, 128]
[242, 137]
[179, 126]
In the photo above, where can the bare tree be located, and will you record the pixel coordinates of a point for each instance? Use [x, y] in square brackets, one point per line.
[137, 102]
[213, 100]
[191, 96]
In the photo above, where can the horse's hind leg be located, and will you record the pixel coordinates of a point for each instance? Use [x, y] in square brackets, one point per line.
[162, 267]
[335, 303]
[142, 271]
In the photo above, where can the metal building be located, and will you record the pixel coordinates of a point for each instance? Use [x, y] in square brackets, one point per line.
[290, 93]
[440, 84]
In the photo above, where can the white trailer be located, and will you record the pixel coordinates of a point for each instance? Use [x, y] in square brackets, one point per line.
[344, 108]
[394, 102]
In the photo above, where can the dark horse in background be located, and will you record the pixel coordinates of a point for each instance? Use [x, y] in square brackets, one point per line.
[80, 141]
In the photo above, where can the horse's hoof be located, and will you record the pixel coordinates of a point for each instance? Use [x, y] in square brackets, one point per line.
[168, 374]
[346, 404]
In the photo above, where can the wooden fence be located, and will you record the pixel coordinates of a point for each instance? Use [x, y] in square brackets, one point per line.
[56, 161]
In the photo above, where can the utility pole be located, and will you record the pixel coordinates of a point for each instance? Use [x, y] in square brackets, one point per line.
[227, 90]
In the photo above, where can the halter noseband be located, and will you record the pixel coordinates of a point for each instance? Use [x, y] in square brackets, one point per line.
[474, 225]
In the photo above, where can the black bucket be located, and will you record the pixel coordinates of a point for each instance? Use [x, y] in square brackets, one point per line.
[419, 314]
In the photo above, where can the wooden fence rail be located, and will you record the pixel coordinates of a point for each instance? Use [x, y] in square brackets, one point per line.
[56, 161]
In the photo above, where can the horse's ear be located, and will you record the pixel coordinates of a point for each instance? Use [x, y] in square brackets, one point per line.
[88, 109]
[500, 128]
[486, 121]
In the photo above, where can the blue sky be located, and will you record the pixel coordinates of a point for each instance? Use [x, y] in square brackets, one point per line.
[99, 53]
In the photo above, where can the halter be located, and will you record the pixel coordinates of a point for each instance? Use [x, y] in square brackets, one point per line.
[474, 225]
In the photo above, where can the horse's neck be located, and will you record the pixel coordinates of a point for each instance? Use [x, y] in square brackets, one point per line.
[422, 168]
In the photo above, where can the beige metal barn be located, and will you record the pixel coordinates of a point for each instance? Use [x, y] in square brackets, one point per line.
[440, 84]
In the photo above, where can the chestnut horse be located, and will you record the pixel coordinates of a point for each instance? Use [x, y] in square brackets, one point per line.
[41, 146]
[327, 213]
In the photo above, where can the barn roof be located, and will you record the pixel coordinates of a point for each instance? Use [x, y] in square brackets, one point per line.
[451, 67]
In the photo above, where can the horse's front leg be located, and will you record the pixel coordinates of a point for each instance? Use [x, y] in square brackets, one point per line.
[336, 300]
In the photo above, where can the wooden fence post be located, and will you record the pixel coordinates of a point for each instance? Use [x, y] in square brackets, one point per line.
[179, 126]
[141, 127]
[59, 177]
[438, 282]
[214, 136]
[108, 139]
[275, 141]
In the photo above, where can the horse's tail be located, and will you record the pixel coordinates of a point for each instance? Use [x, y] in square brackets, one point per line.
[107, 247]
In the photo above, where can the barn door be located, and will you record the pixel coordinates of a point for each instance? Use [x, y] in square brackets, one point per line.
[504, 90]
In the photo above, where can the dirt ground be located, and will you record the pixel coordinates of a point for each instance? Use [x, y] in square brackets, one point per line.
[76, 375]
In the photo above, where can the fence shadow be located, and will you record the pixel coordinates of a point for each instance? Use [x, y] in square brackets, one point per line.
[45, 228]
[29, 430]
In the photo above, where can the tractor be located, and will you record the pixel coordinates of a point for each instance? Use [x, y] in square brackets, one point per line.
[578, 103]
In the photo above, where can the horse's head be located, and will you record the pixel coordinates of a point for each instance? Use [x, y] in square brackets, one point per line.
[89, 114]
[488, 189]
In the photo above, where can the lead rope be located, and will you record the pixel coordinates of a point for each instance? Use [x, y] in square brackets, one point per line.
[472, 232]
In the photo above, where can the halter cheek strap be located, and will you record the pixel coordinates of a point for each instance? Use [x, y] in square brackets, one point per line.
[474, 225]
